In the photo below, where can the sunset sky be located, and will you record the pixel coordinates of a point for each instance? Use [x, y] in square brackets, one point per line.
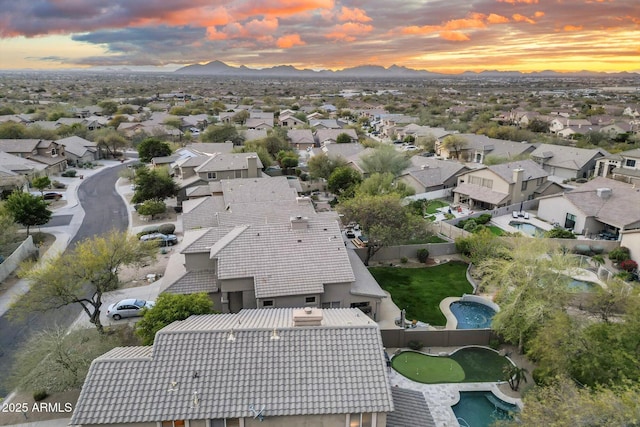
[449, 36]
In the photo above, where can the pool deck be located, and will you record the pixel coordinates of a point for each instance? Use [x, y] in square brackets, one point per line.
[452, 322]
[440, 397]
[504, 220]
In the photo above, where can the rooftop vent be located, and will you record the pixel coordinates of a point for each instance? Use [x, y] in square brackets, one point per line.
[308, 316]
[604, 193]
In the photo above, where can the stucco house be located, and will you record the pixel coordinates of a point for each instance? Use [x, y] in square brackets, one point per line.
[428, 174]
[289, 121]
[79, 150]
[477, 148]
[623, 166]
[281, 367]
[47, 152]
[565, 162]
[330, 136]
[301, 139]
[601, 206]
[502, 185]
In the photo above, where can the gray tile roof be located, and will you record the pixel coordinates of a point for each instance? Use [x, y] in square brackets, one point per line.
[410, 409]
[227, 161]
[211, 147]
[18, 145]
[433, 172]
[300, 136]
[76, 145]
[481, 193]
[322, 135]
[193, 282]
[531, 170]
[365, 284]
[572, 158]
[621, 209]
[308, 370]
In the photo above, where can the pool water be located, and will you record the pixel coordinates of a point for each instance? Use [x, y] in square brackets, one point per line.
[472, 315]
[530, 229]
[481, 409]
[582, 286]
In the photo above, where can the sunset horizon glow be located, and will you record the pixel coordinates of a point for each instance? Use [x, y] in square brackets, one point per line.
[448, 37]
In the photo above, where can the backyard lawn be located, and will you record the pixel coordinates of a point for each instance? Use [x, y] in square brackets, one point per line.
[420, 290]
[497, 231]
[434, 205]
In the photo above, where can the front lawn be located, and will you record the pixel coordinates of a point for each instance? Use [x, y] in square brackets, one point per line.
[420, 290]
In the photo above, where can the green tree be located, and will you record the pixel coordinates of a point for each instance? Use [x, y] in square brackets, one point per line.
[538, 125]
[343, 138]
[240, 117]
[152, 207]
[322, 166]
[27, 210]
[532, 285]
[384, 220]
[288, 159]
[153, 147]
[41, 182]
[109, 141]
[455, 143]
[384, 159]
[153, 184]
[12, 130]
[84, 274]
[482, 246]
[57, 360]
[170, 308]
[221, 133]
[108, 107]
[343, 180]
[384, 183]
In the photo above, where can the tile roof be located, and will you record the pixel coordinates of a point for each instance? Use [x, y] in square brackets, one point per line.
[18, 145]
[432, 172]
[211, 147]
[531, 170]
[410, 409]
[227, 161]
[567, 157]
[307, 371]
[193, 282]
[481, 193]
[76, 145]
[365, 284]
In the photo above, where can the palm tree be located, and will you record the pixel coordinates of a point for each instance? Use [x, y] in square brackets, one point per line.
[515, 375]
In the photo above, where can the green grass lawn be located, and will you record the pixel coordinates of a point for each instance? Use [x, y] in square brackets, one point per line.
[433, 206]
[468, 365]
[497, 231]
[420, 290]
[428, 369]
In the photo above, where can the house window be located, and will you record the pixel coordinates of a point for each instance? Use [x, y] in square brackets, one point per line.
[310, 300]
[211, 175]
[238, 174]
[483, 182]
[54, 151]
[331, 304]
[630, 163]
[174, 423]
[539, 181]
[570, 221]
[524, 185]
[361, 420]
[267, 303]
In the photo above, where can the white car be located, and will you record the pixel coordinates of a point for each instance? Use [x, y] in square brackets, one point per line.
[128, 308]
[409, 148]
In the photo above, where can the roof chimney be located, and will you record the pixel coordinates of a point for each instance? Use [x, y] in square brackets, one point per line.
[299, 222]
[604, 193]
[308, 316]
[517, 175]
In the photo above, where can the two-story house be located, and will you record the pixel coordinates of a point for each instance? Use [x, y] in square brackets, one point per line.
[624, 166]
[565, 162]
[49, 153]
[286, 367]
[476, 148]
[502, 185]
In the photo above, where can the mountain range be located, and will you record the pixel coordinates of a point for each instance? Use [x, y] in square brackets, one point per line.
[219, 68]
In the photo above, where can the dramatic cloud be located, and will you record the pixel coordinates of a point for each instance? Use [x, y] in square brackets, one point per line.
[450, 35]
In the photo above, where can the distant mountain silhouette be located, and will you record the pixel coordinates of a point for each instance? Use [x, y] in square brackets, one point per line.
[219, 68]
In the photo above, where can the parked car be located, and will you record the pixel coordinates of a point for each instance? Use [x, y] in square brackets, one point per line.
[409, 148]
[52, 196]
[128, 308]
[350, 234]
[164, 239]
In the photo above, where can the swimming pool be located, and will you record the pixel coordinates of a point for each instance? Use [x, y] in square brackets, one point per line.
[482, 409]
[525, 227]
[582, 286]
[472, 315]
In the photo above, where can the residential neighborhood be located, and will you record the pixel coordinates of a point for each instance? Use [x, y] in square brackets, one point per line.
[358, 253]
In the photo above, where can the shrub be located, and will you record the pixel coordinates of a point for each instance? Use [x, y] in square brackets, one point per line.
[404, 260]
[167, 228]
[463, 245]
[597, 249]
[542, 376]
[152, 207]
[57, 184]
[423, 255]
[560, 233]
[628, 265]
[462, 223]
[40, 395]
[483, 219]
[415, 345]
[69, 173]
[619, 254]
[470, 226]
[494, 343]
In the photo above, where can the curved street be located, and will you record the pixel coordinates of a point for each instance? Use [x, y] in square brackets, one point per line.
[99, 209]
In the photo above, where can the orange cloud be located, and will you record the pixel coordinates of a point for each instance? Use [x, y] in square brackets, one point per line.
[458, 24]
[348, 31]
[259, 27]
[518, 1]
[538, 14]
[289, 41]
[202, 16]
[355, 15]
[521, 18]
[496, 19]
[214, 34]
[282, 8]
[455, 36]
[573, 27]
